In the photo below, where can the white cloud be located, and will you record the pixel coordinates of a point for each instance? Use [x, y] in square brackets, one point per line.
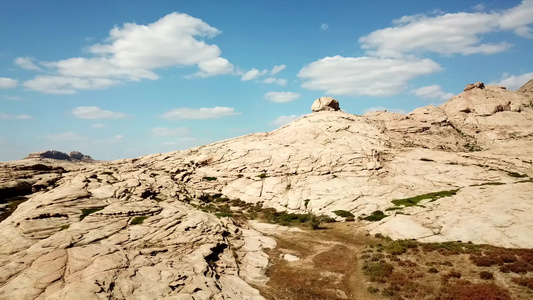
[276, 69]
[27, 63]
[98, 126]
[479, 7]
[369, 76]
[432, 92]
[66, 136]
[282, 96]
[4, 116]
[94, 112]
[513, 82]
[8, 83]
[13, 98]
[134, 52]
[518, 19]
[180, 131]
[457, 33]
[278, 81]
[381, 108]
[253, 74]
[200, 113]
[324, 26]
[284, 120]
[67, 85]
[452, 33]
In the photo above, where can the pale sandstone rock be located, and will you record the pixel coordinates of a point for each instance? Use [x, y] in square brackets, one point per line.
[325, 104]
[320, 163]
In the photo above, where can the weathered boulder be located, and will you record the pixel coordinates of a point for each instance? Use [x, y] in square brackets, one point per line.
[325, 104]
[477, 85]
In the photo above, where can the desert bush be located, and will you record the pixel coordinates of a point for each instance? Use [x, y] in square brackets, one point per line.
[372, 289]
[138, 220]
[87, 211]
[412, 201]
[377, 215]
[377, 271]
[343, 213]
[468, 291]
[396, 248]
[520, 266]
[524, 281]
[223, 214]
[486, 275]
[433, 270]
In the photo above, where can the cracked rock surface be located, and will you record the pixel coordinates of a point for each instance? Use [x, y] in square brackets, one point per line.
[127, 230]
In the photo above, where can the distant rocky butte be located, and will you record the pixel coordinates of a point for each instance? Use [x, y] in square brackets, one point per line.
[53, 154]
[469, 161]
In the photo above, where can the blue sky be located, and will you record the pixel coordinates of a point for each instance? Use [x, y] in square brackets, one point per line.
[118, 79]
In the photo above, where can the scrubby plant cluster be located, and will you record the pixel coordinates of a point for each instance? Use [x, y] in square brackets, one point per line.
[407, 269]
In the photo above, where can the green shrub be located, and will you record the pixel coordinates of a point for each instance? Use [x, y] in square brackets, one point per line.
[412, 201]
[396, 248]
[87, 211]
[377, 271]
[262, 175]
[343, 213]
[377, 215]
[207, 178]
[138, 220]
[223, 214]
[372, 290]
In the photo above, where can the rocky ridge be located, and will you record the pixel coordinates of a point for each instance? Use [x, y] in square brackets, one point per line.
[130, 229]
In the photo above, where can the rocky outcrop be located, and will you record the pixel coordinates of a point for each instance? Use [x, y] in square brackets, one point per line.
[325, 104]
[53, 154]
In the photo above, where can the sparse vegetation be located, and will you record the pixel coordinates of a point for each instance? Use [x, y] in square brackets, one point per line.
[377, 215]
[138, 220]
[412, 201]
[87, 211]
[208, 178]
[262, 175]
[486, 275]
[223, 214]
[343, 213]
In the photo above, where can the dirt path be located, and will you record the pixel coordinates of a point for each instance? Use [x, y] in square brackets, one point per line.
[328, 265]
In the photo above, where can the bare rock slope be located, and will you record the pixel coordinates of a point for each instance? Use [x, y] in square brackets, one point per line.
[130, 229]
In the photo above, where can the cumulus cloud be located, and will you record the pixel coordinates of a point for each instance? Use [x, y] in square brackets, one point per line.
[199, 113]
[513, 82]
[444, 34]
[368, 76]
[324, 26]
[276, 69]
[381, 108]
[519, 19]
[281, 96]
[284, 120]
[452, 33]
[98, 126]
[162, 131]
[66, 136]
[67, 85]
[272, 80]
[27, 63]
[8, 83]
[5, 116]
[134, 52]
[94, 112]
[432, 92]
[253, 74]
